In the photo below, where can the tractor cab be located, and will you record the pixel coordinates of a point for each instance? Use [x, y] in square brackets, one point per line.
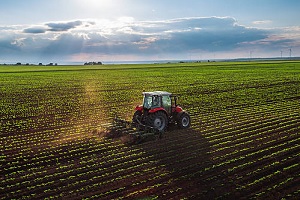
[158, 99]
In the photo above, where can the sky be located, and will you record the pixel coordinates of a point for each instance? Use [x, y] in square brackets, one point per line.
[66, 31]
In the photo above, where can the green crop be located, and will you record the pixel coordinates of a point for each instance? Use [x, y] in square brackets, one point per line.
[243, 141]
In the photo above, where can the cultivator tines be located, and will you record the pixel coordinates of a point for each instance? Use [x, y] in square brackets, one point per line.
[117, 128]
[121, 122]
[135, 132]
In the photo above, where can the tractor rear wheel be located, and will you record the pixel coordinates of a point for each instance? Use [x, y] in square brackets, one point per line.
[184, 121]
[158, 120]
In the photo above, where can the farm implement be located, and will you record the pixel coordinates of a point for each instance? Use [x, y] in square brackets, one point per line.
[152, 118]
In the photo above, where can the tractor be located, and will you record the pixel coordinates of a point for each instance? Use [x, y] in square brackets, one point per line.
[159, 109]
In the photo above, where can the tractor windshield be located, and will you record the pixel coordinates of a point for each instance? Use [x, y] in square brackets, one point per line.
[151, 101]
[147, 102]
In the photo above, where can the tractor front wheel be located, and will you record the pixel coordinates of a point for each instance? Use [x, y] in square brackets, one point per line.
[158, 120]
[184, 121]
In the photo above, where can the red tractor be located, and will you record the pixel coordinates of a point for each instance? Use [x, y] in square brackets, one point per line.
[159, 109]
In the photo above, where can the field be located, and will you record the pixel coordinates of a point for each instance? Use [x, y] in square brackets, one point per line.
[243, 143]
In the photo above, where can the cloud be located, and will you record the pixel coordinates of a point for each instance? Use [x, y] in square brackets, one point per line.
[184, 34]
[7, 47]
[262, 22]
[127, 37]
[209, 34]
[35, 30]
[64, 26]
[57, 27]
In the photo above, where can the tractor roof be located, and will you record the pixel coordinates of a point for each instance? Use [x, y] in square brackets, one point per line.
[158, 93]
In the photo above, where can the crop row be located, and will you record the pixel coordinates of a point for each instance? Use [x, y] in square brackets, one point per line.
[243, 143]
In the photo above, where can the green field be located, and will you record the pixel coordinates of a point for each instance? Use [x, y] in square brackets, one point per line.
[243, 142]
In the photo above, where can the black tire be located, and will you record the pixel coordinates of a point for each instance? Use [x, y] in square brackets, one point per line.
[158, 120]
[184, 121]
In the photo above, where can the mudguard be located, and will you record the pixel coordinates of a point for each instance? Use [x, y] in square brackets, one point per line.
[180, 113]
[139, 108]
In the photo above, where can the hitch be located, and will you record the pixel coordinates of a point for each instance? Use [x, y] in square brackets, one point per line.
[136, 133]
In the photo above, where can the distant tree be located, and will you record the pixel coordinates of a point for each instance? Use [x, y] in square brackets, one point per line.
[93, 63]
[40, 64]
